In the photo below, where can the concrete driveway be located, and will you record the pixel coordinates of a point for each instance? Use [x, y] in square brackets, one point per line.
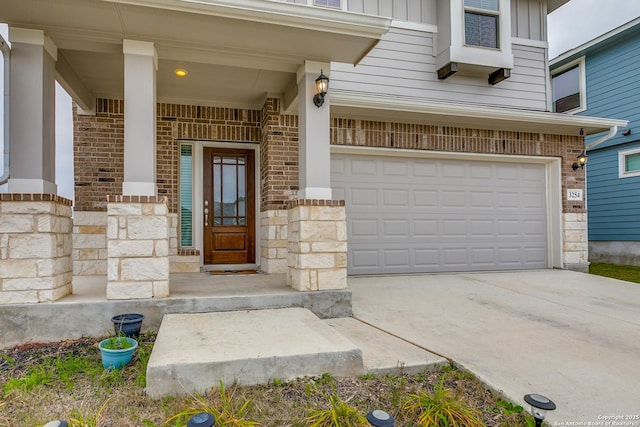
[570, 336]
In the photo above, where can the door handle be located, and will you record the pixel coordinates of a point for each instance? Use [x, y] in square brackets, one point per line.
[206, 217]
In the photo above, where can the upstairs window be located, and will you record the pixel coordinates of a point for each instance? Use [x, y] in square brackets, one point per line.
[629, 163]
[568, 88]
[328, 3]
[481, 23]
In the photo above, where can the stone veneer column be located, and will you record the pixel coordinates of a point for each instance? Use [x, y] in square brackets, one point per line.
[137, 247]
[35, 248]
[317, 247]
[575, 242]
[273, 237]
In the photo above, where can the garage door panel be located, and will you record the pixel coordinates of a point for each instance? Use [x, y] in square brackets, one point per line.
[468, 215]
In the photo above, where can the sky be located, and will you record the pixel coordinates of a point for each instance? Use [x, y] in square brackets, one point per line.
[571, 25]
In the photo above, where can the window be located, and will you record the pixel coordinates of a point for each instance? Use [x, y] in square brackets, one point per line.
[568, 88]
[629, 163]
[186, 195]
[481, 23]
[328, 3]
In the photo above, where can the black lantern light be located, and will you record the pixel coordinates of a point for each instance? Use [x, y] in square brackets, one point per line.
[322, 86]
[582, 160]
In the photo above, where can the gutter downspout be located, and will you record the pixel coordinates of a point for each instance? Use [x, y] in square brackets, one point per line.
[6, 52]
[612, 132]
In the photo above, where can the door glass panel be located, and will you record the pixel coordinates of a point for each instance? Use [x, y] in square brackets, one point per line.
[229, 190]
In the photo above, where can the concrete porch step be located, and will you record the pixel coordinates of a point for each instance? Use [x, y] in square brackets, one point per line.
[194, 352]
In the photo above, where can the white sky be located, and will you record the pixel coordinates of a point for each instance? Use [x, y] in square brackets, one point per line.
[569, 26]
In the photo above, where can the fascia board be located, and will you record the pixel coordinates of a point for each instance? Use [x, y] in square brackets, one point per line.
[279, 13]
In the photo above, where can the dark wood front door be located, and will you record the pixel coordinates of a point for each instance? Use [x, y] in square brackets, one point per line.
[229, 206]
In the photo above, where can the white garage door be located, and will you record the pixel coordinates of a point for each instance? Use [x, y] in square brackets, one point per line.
[413, 215]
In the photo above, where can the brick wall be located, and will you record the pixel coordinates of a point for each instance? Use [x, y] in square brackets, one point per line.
[99, 146]
[278, 157]
[442, 138]
[99, 141]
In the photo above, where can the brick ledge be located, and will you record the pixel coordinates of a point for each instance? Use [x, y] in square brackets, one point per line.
[315, 202]
[136, 199]
[28, 197]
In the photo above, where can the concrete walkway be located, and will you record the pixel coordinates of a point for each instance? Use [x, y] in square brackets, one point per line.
[570, 336]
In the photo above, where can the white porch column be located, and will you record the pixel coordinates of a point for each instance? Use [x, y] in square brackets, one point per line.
[32, 112]
[313, 124]
[140, 66]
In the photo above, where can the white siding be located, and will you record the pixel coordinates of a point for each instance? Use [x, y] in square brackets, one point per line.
[403, 65]
[420, 11]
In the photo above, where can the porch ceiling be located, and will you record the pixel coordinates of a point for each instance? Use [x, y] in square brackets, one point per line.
[236, 51]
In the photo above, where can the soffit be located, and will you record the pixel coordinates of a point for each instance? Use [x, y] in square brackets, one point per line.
[235, 51]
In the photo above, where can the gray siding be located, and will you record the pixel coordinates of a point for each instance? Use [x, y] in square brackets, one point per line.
[528, 19]
[420, 11]
[403, 65]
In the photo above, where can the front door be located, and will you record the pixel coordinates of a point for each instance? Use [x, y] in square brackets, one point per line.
[229, 206]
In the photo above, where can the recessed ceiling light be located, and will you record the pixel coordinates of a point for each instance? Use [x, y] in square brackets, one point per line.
[180, 72]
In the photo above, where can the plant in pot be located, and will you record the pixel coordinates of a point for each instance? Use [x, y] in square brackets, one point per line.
[117, 351]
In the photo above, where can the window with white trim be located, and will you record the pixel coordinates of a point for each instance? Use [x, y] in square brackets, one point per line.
[328, 3]
[481, 23]
[629, 163]
[568, 87]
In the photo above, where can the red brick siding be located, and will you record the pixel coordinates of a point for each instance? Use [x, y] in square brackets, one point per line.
[279, 172]
[99, 146]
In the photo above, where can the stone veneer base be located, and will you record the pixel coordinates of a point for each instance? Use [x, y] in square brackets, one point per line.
[317, 245]
[137, 247]
[35, 248]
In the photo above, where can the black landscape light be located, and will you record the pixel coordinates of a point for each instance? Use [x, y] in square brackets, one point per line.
[203, 419]
[56, 423]
[539, 406]
[380, 418]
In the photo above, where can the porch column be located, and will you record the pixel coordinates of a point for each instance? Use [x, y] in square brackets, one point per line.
[32, 108]
[137, 220]
[140, 66]
[313, 135]
[317, 231]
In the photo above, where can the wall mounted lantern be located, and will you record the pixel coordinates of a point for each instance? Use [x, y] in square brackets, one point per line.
[582, 160]
[322, 86]
[539, 406]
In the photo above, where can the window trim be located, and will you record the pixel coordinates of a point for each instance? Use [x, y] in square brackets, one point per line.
[486, 12]
[622, 173]
[582, 83]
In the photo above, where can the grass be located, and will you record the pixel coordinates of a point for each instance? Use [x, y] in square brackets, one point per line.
[630, 273]
[40, 383]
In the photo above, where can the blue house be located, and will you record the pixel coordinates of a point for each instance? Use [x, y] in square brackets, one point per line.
[602, 78]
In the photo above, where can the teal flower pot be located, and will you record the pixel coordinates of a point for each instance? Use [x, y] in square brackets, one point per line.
[116, 358]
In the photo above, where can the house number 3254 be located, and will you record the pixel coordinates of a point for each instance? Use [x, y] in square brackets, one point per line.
[574, 194]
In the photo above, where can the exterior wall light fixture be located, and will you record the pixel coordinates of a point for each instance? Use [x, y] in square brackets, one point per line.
[539, 406]
[322, 86]
[582, 160]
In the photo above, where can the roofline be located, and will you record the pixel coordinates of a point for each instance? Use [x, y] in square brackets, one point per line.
[555, 4]
[591, 43]
[282, 13]
[495, 114]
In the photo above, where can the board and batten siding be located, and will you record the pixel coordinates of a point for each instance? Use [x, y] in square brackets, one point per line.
[527, 16]
[403, 65]
[613, 203]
